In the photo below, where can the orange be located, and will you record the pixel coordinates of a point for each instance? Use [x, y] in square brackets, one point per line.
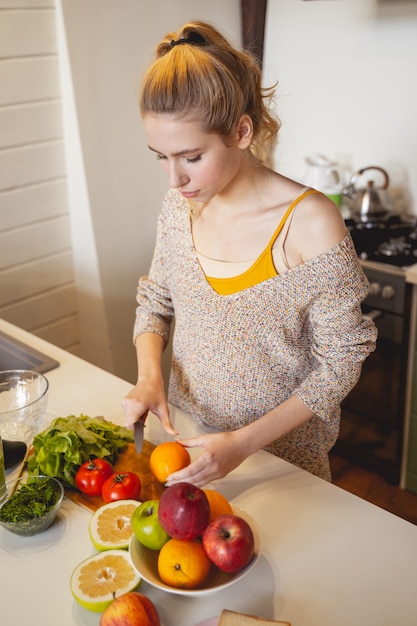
[167, 458]
[219, 505]
[183, 563]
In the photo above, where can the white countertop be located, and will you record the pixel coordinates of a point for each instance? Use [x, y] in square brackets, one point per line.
[328, 557]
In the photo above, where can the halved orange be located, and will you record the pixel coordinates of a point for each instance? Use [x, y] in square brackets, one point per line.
[100, 578]
[110, 525]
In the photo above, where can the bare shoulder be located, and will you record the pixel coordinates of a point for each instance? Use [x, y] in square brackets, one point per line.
[317, 226]
[318, 212]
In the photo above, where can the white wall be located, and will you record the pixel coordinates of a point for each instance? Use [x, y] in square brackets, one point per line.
[120, 187]
[346, 72]
[37, 287]
[347, 82]
[93, 331]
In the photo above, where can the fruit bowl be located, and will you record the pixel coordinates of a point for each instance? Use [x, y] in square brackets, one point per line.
[32, 502]
[146, 563]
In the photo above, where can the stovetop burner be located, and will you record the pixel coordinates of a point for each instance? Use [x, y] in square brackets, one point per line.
[392, 241]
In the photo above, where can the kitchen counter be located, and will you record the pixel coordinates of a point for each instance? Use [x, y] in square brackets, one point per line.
[328, 557]
[411, 274]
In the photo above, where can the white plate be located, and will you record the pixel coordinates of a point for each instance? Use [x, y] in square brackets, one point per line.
[214, 621]
[145, 561]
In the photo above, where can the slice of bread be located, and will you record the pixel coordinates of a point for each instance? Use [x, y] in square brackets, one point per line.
[231, 618]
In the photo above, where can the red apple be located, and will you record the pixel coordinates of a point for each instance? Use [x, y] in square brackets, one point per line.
[229, 542]
[184, 511]
[130, 609]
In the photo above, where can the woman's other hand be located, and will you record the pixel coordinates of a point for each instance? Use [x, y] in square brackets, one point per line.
[222, 453]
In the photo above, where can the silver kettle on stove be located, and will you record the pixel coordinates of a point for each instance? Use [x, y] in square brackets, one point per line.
[369, 202]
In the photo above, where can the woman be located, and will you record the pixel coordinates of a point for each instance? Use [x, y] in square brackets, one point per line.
[259, 273]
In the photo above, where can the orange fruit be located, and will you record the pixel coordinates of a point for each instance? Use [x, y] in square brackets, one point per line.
[183, 563]
[219, 505]
[167, 458]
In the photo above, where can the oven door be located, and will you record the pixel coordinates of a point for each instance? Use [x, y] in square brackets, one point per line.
[371, 428]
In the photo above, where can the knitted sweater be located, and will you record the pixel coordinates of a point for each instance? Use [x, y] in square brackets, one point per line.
[236, 357]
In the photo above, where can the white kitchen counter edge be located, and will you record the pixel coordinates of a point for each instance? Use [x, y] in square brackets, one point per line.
[411, 274]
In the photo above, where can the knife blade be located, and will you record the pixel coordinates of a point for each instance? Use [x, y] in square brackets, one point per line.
[138, 435]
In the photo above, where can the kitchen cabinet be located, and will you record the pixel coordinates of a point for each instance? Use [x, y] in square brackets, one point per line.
[411, 471]
[410, 439]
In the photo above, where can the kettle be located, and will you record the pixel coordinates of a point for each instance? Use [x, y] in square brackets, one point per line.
[367, 202]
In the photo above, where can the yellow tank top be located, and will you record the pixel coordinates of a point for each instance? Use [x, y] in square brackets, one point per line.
[263, 268]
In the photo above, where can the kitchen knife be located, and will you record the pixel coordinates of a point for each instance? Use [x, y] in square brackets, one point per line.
[138, 434]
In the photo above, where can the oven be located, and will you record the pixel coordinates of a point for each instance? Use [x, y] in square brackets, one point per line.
[373, 415]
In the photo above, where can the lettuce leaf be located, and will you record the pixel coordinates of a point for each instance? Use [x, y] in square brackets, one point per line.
[68, 442]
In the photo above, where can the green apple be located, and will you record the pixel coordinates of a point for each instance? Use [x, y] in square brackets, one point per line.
[146, 525]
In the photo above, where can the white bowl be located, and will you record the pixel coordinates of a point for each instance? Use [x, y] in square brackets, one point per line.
[23, 398]
[146, 563]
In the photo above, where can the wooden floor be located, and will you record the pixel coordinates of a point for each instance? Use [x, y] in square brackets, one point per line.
[373, 488]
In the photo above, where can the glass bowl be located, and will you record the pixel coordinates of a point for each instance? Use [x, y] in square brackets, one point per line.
[22, 496]
[23, 398]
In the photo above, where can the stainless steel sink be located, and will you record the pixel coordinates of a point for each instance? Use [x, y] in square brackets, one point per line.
[15, 355]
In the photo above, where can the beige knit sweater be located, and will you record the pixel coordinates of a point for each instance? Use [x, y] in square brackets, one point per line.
[236, 357]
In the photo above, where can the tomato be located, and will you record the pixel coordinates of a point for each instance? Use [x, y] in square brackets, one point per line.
[121, 486]
[91, 476]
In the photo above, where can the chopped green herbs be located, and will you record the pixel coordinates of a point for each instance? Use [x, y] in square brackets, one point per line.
[70, 441]
[31, 500]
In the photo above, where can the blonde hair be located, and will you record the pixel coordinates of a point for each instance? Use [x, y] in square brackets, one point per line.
[197, 70]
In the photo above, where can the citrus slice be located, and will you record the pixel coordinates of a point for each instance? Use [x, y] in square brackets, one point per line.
[110, 526]
[96, 581]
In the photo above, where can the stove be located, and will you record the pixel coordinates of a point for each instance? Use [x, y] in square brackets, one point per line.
[374, 413]
[392, 241]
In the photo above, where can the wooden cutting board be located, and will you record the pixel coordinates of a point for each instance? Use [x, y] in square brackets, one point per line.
[128, 461]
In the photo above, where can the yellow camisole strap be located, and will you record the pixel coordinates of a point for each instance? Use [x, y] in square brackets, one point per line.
[263, 268]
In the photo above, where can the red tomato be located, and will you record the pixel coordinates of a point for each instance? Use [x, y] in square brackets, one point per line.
[92, 475]
[118, 486]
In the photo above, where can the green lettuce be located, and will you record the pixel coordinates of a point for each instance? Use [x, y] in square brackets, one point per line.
[68, 442]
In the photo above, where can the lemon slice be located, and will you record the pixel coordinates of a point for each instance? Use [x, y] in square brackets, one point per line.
[110, 526]
[102, 577]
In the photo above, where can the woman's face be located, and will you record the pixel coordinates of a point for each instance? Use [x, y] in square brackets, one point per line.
[199, 164]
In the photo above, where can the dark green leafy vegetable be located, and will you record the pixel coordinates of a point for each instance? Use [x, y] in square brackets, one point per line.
[70, 441]
[33, 499]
